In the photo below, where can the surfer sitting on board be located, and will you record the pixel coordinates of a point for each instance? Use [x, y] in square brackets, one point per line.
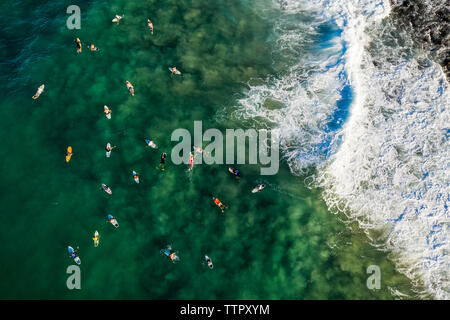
[92, 47]
[150, 25]
[174, 70]
[107, 111]
[219, 204]
[117, 18]
[78, 41]
[130, 87]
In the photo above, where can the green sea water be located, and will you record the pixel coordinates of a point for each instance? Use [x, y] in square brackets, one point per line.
[281, 243]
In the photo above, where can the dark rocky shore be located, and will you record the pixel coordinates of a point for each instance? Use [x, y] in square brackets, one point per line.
[428, 21]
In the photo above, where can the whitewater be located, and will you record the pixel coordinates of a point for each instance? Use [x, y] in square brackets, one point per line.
[383, 158]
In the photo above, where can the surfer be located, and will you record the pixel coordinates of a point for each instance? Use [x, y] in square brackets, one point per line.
[68, 153]
[258, 188]
[117, 18]
[191, 161]
[135, 176]
[163, 158]
[130, 87]
[92, 47]
[107, 111]
[39, 91]
[235, 172]
[78, 41]
[150, 25]
[162, 163]
[219, 204]
[173, 256]
[74, 253]
[174, 70]
[113, 221]
[209, 262]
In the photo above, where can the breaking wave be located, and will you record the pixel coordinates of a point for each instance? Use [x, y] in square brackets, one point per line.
[367, 109]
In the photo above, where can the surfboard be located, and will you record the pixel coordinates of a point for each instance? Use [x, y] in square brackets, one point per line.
[106, 188]
[114, 222]
[258, 189]
[77, 258]
[69, 151]
[177, 72]
[108, 153]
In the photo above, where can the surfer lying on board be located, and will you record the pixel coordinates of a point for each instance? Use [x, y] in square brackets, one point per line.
[78, 41]
[219, 204]
[174, 70]
[150, 25]
[39, 91]
[130, 87]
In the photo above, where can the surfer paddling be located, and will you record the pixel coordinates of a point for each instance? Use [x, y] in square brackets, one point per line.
[39, 91]
[150, 25]
[220, 204]
[78, 42]
[130, 87]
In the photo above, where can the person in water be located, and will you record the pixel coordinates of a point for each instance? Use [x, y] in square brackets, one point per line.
[78, 41]
[235, 172]
[173, 256]
[69, 154]
[39, 91]
[130, 87]
[117, 17]
[219, 204]
[92, 47]
[106, 110]
[162, 163]
[74, 254]
[150, 25]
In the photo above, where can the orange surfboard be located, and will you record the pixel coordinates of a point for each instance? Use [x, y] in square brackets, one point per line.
[69, 153]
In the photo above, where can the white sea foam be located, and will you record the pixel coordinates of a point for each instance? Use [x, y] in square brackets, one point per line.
[391, 170]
